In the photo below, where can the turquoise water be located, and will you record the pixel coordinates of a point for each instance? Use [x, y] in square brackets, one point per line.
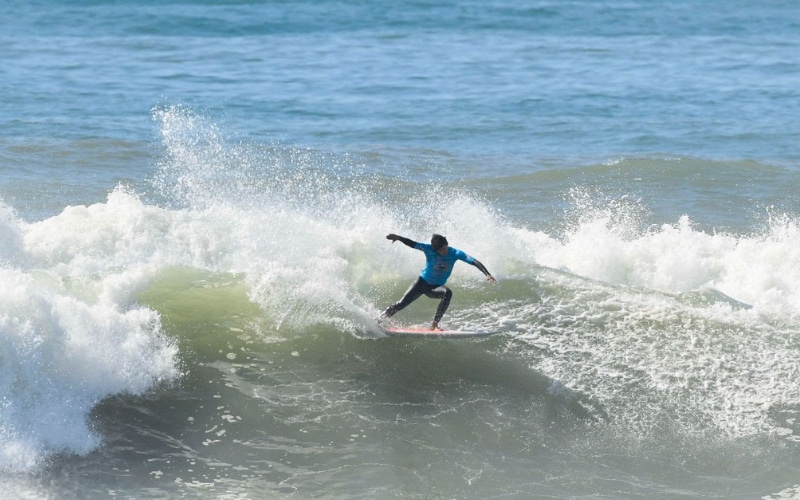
[193, 203]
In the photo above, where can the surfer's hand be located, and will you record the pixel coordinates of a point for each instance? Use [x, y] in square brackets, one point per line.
[401, 239]
[490, 278]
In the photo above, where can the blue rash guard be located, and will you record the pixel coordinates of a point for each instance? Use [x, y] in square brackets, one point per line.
[438, 268]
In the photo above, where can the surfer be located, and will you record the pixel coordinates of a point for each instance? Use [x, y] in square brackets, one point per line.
[440, 259]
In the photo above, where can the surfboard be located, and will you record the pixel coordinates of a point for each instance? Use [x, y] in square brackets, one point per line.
[419, 331]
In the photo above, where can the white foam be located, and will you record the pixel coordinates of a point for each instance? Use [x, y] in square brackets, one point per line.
[10, 238]
[694, 324]
[70, 334]
[791, 493]
[761, 270]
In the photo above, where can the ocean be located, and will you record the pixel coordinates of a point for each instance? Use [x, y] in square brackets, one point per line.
[194, 200]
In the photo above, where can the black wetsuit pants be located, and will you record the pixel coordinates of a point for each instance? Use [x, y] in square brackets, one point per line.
[417, 289]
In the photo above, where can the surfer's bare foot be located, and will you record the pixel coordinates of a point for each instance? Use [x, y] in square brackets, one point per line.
[435, 327]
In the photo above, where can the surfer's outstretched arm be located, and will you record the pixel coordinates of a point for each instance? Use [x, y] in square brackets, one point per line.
[483, 269]
[404, 240]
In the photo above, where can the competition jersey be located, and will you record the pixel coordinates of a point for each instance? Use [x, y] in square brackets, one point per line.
[438, 268]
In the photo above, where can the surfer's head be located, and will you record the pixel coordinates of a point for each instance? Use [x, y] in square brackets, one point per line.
[438, 241]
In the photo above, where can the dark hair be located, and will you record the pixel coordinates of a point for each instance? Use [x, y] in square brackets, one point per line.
[438, 241]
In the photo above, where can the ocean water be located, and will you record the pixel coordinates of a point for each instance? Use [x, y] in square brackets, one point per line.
[194, 198]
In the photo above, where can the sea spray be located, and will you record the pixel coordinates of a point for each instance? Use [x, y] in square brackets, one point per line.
[307, 229]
